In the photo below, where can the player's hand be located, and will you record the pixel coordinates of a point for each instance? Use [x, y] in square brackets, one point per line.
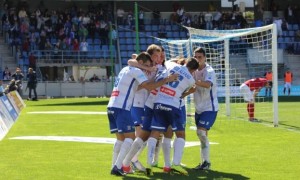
[152, 69]
[172, 77]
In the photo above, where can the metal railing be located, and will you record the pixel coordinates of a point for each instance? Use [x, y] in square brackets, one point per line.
[70, 57]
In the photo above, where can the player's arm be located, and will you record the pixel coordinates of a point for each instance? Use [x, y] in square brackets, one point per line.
[135, 63]
[256, 91]
[188, 91]
[150, 85]
[204, 84]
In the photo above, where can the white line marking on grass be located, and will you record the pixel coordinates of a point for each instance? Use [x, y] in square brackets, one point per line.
[67, 112]
[100, 140]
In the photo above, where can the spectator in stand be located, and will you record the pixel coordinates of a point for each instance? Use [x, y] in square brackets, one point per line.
[103, 32]
[156, 17]
[289, 14]
[288, 79]
[92, 28]
[84, 49]
[32, 61]
[278, 23]
[258, 15]
[195, 21]
[82, 33]
[202, 23]
[180, 12]
[22, 14]
[120, 16]
[76, 48]
[162, 33]
[95, 78]
[25, 46]
[141, 20]
[297, 42]
[208, 17]
[48, 48]
[6, 74]
[130, 19]
[216, 19]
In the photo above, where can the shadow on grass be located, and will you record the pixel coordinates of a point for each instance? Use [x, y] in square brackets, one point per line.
[193, 174]
[92, 103]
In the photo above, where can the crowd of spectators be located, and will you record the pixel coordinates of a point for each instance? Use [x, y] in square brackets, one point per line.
[56, 30]
[44, 29]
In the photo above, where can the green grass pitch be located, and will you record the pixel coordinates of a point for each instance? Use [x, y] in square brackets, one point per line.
[243, 151]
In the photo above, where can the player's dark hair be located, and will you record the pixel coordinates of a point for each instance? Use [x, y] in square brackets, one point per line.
[200, 50]
[192, 63]
[144, 56]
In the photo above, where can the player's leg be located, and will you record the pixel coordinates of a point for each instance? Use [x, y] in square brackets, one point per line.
[250, 109]
[204, 122]
[126, 128]
[284, 89]
[140, 142]
[179, 142]
[166, 147]
[157, 151]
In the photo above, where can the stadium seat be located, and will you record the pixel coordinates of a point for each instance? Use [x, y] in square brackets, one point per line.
[168, 28]
[123, 47]
[147, 27]
[89, 40]
[129, 41]
[130, 47]
[155, 33]
[169, 34]
[154, 27]
[124, 54]
[121, 34]
[122, 41]
[97, 41]
[148, 34]
[143, 47]
[127, 34]
[183, 34]
[142, 40]
[295, 27]
[105, 47]
[97, 48]
[176, 34]
[292, 33]
[175, 27]
[285, 33]
[98, 54]
[149, 40]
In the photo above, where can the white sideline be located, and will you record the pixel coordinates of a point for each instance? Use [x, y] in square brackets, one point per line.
[100, 140]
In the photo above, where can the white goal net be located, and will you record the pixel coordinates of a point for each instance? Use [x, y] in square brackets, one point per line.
[236, 56]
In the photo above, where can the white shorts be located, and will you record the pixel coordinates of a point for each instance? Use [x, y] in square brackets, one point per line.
[246, 93]
[288, 85]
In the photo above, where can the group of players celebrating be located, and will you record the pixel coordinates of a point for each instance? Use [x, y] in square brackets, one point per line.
[147, 107]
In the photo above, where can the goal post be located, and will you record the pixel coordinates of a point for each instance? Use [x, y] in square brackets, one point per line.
[236, 56]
